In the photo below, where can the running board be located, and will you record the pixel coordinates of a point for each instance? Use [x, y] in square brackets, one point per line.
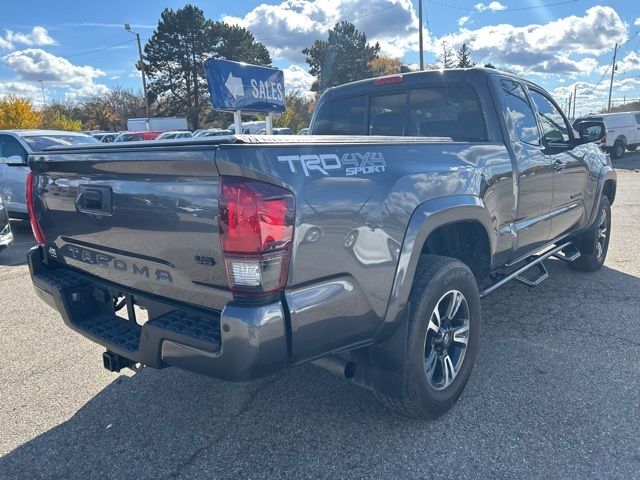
[534, 260]
[569, 254]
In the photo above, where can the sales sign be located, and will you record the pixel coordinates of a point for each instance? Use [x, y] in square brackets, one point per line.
[239, 86]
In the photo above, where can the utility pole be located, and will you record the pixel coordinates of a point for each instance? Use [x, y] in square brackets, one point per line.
[570, 100]
[127, 27]
[44, 100]
[613, 69]
[575, 95]
[420, 34]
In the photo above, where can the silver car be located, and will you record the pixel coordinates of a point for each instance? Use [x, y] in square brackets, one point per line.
[6, 237]
[15, 148]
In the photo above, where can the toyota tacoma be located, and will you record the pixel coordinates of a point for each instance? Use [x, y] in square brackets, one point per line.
[364, 247]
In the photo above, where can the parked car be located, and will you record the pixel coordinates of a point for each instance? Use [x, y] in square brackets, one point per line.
[276, 131]
[6, 237]
[15, 147]
[216, 132]
[445, 186]
[623, 131]
[136, 136]
[249, 128]
[174, 135]
[161, 124]
[105, 137]
[304, 131]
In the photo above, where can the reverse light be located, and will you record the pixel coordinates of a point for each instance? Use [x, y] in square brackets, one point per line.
[35, 226]
[255, 220]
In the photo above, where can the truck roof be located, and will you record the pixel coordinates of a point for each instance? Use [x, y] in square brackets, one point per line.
[414, 79]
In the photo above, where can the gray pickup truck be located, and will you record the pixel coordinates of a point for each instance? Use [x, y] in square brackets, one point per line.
[364, 248]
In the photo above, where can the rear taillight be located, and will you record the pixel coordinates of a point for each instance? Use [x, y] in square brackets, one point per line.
[256, 229]
[35, 226]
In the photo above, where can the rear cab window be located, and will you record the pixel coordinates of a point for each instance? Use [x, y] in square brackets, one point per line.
[452, 111]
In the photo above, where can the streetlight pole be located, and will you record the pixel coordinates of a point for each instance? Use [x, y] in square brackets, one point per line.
[127, 27]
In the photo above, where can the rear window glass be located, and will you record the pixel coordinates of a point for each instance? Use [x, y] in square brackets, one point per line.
[451, 111]
[40, 142]
[343, 116]
[386, 114]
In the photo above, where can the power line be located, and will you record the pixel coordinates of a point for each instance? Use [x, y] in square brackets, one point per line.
[99, 49]
[466, 9]
[329, 25]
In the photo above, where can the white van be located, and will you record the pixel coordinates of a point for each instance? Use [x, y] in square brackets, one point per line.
[623, 131]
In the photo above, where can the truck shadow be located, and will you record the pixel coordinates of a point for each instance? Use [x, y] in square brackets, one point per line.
[175, 424]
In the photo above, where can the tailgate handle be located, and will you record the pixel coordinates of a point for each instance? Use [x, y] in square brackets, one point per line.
[94, 200]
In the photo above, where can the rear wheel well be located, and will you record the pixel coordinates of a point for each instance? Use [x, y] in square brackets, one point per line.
[466, 241]
[609, 190]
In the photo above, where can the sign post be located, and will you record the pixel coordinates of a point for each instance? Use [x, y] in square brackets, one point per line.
[238, 87]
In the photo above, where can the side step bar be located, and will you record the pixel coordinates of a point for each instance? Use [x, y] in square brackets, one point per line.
[536, 260]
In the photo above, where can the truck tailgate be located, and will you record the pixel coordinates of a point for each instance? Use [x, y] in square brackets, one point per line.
[142, 217]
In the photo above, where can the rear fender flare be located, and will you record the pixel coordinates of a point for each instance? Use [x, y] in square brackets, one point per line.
[381, 365]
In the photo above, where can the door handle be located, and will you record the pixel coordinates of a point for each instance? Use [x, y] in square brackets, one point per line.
[558, 165]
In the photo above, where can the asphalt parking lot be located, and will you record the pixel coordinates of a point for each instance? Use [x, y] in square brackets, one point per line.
[554, 394]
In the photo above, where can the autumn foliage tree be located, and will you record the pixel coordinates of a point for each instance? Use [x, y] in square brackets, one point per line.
[18, 113]
[54, 117]
[385, 66]
[297, 113]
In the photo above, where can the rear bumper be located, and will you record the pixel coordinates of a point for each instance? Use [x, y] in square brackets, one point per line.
[242, 342]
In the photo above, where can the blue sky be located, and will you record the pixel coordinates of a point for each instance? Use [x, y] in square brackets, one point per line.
[557, 44]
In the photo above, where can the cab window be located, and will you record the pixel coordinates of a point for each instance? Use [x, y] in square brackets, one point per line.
[518, 114]
[554, 127]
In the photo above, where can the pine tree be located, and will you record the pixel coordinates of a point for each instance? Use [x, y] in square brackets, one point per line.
[446, 57]
[344, 57]
[464, 57]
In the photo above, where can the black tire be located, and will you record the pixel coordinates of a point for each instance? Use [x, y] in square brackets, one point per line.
[632, 148]
[435, 277]
[592, 256]
[617, 151]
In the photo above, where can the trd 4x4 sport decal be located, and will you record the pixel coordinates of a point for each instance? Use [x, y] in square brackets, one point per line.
[352, 163]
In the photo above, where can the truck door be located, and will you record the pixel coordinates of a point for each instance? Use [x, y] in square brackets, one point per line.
[533, 173]
[571, 172]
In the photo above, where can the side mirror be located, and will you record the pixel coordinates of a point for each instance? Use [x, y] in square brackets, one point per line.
[591, 131]
[13, 160]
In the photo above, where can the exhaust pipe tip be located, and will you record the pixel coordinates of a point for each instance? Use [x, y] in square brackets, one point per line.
[337, 365]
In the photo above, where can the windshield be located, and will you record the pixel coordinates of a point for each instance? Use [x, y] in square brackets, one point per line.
[40, 142]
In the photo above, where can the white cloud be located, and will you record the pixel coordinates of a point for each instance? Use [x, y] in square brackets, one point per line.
[493, 6]
[298, 80]
[38, 36]
[591, 97]
[636, 21]
[549, 48]
[34, 65]
[289, 27]
[629, 63]
[21, 89]
[463, 20]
